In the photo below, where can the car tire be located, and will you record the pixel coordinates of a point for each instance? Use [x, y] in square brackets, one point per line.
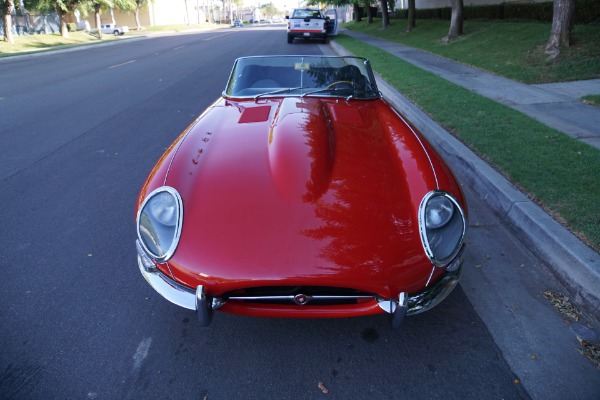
[116, 33]
[290, 39]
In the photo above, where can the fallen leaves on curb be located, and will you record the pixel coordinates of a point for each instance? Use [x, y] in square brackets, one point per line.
[562, 304]
[323, 388]
[591, 351]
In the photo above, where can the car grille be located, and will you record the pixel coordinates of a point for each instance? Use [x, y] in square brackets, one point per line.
[300, 295]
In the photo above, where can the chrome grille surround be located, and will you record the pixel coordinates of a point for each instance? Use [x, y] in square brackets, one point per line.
[299, 295]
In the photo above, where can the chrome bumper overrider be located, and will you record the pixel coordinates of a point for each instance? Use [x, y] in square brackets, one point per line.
[405, 304]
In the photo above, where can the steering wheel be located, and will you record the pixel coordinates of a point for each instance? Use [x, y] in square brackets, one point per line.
[350, 83]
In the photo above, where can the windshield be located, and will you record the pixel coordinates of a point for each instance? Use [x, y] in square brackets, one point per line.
[268, 76]
[306, 13]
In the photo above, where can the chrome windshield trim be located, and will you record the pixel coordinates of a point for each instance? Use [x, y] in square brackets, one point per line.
[239, 82]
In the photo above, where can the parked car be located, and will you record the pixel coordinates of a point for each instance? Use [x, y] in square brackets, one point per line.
[310, 23]
[301, 193]
[238, 23]
[114, 29]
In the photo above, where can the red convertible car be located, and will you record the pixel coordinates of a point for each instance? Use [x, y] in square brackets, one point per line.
[301, 193]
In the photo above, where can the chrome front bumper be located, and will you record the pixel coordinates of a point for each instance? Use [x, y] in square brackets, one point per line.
[165, 286]
[405, 304]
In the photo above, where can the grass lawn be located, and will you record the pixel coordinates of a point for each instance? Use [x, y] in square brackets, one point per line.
[592, 99]
[558, 172]
[35, 43]
[511, 49]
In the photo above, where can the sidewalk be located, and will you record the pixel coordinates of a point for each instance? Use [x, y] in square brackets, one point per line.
[553, 104]
[575, 265]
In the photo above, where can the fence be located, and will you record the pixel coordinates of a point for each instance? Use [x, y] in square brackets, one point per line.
[32, 24]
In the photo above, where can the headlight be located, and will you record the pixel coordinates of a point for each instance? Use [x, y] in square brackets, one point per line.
[159, 223]
[438, 212]
[442, 226]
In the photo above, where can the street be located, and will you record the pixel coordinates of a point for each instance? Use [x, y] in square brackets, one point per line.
[80, 131]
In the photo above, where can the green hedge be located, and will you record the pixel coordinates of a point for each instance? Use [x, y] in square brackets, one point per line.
[586, 12]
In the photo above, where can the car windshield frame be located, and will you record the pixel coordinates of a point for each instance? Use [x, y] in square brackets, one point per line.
[258, 77]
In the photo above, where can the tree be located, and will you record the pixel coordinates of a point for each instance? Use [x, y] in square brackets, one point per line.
[97, 6]
[269, 10]
[563, 20]
[8, 7]
[456, 20]
[97, 12]
[357, 12]
[187, 13]
[370, 16]
[412, 16]
[138, 5]
[24, 15]
[62, 7]
[385, 16]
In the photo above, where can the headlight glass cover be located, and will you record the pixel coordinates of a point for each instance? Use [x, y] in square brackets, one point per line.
[159, 223]
[442, 226]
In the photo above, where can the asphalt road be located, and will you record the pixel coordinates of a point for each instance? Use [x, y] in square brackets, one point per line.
[79, 132]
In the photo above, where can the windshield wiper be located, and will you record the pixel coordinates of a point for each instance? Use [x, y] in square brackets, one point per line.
[329, 90]
[280, 91]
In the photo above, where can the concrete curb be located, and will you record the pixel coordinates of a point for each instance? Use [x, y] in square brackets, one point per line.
[573, 264]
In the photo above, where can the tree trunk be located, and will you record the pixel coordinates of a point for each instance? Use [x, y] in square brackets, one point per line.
[563, 19]
[357, 11]
[456, 20]
[64, 31]
[412, 16]
[137, 17]
[97, 11]
[187, 11]
[24, 15]
[385, 17]
[369, 14]
[9, 7]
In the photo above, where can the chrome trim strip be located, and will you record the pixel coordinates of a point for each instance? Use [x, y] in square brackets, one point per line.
[291, 298]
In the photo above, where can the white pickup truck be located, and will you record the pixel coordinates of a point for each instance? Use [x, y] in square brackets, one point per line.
[309, 23]
[114, 29]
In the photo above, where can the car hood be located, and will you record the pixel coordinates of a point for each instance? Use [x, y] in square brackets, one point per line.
[276, 192]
